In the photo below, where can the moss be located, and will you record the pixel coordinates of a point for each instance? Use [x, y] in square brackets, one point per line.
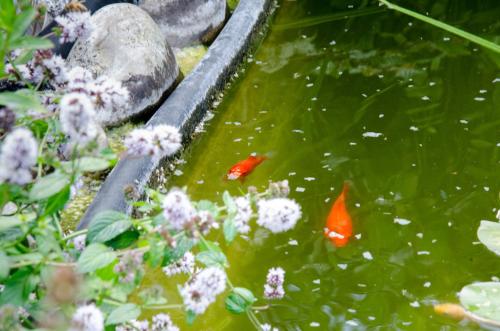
[232, 4]
[188, 57]
[70, 217]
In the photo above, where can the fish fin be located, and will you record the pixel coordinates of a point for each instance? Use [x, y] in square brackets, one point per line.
[345, 189]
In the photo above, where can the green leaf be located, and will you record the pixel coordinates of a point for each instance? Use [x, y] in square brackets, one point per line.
[48, 186]
[153, 295]
[107, 225]
[229, 202]
[124, 240]
[211, 258]
[123, 314]
[94, 257]
[92, 164]
[208, 206]
[246, 294]
[21, 100]
[18, 287]
[190, 317]
[22, 22]
[156, 252]
[184, 244]
[7, 222]
[489, 234]
[28, 42]
[230, 230]
[482, 299]
[235, 303]
[58, 201]
[206, 245]
[4, 265]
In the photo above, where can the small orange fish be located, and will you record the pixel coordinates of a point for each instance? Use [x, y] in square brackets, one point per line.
[339, 224]
[243, 168]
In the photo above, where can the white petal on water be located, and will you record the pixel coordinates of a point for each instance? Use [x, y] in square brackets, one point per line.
[342, 266]
[293, 242]
[358, 236]
[415, 304]
[237, 140]
[317, 281]
[201, 181]
[371, 318]
[327, 154]
[425, 98]
[432, 83]
[352, 143]
[367, 255]
[486, 188]
[300, 189]
[420, 235]
[310, 85]
[370, 134]
[357, 204]
[401, 221]
[423, 253]
[496, 80]
[178, 172]
[314, 324]
[333, 42]
[427, 284]
[479, 99]
[483, 91]
[327, 200]
[298, 131]
[413, 128]
[351, 322]
[464, 121]
[352, 311]
[292, 173]
[309, 179]
[380, 115]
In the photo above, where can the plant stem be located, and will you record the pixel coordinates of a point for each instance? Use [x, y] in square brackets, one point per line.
[461, 33]
[75, 234]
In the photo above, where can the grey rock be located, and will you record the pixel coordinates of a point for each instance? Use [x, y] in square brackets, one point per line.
[127, 45]
[187, 22]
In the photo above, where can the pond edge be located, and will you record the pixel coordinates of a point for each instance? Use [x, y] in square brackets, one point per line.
[186, 107]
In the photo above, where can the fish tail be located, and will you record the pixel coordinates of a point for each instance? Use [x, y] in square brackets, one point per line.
[345, 189]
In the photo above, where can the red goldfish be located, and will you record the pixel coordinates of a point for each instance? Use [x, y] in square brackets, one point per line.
[243, 168]
[339, 224]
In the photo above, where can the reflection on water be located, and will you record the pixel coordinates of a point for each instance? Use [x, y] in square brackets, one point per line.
[405, 113]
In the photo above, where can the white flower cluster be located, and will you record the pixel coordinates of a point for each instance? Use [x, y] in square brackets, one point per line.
[243, 214]
[278, 215]
[43, 64]
[108, 94]
[55, 7]
[203, 289]
[74, 25]
[129, 265]
[160, 141]
[273, 289]
[78, 118]
[177, 209]
[134, 325]
[161, 322]
[183, 265]
[79, 242]
[87, 318]
[19, 153]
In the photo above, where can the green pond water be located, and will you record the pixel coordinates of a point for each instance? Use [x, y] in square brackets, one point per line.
[408, 115]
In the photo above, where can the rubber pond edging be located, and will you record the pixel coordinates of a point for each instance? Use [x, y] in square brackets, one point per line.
[187, 105]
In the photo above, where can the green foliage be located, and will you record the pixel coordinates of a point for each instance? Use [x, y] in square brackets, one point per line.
[49, 185]
[123, 314]
[489, 234]
[239, 300]
[107, 225]
[94, 257]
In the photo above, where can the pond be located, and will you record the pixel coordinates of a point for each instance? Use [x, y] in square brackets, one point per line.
[407, 115]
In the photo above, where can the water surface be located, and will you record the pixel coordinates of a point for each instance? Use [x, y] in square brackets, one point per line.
[408, 115]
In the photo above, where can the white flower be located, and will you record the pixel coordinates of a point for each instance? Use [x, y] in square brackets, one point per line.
[273, 292]
[162, 322]
[74, 25]
[129, 266]
[243, 214]
[19, 154]
[78, 118]
[275, 276]
[273, 289]
[278, 215]
[56, 68]
[158, 142]
[167, 139]
[139, 143]
[183, 265]
[79, 242]
[177, 209]
[134, 325]
[203, 288]
[78, 80]
[108, 94]
[87, 318]
[268, 327]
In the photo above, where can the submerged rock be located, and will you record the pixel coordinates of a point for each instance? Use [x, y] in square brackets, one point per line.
[187, 22]
[188, 57]
[127, 45]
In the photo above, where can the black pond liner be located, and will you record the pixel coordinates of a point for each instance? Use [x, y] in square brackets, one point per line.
[187, 105]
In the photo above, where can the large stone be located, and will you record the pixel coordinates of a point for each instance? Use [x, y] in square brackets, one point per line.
[127, 45]
[187, 22]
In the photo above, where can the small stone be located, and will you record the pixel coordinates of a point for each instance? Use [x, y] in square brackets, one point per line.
[187, 22]
[127, 45]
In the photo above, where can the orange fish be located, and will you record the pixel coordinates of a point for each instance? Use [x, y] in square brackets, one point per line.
[339, 224]
[243, 168]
